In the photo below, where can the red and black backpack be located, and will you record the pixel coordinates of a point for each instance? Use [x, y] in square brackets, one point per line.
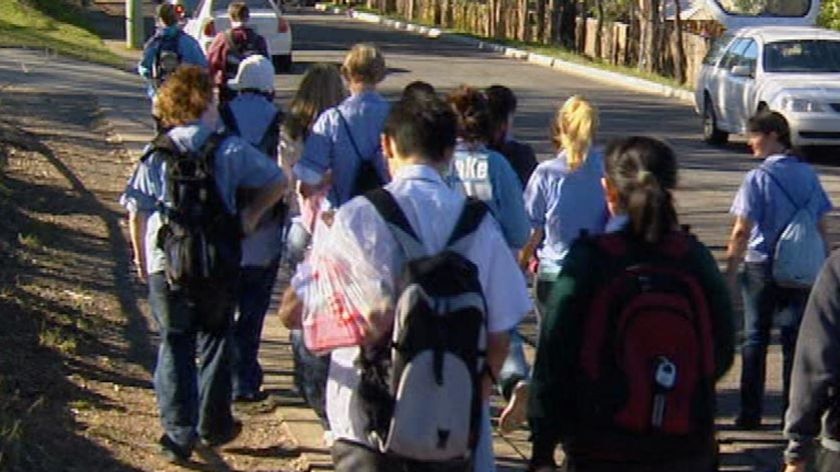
[646, 371]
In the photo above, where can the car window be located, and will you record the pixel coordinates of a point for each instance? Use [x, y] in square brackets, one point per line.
[717, 48]
[808, 56]
[790, 8]
[750, 56]
[733, 55]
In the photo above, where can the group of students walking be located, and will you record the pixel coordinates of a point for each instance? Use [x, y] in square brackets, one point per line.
[448, 216]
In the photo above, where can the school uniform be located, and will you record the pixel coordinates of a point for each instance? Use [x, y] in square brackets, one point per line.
[432, 208]
[188, 48]
[329, 148]
[193, 401]
[770, 208]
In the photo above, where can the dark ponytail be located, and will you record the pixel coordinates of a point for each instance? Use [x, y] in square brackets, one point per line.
[644, 171]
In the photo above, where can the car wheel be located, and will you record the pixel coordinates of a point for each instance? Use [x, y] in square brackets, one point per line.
[282, 63]
[711, 133]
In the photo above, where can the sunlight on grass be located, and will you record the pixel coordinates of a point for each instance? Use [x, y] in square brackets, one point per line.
[54, 26]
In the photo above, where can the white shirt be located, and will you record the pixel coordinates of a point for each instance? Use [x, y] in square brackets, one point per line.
[432, 209]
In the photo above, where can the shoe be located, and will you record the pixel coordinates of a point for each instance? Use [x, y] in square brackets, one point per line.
[250, 397]
[172, 452]
[216, 441]
[517, 408]
[747, 423]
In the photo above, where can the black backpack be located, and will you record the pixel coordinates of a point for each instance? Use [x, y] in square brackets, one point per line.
[167, 57]
[422, 390]
[238, 52]
[200, 238]
[270, 139]
[367, 177]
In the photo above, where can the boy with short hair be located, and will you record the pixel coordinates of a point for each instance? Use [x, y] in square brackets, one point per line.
[232, 46]
[418, 141]
[502, 105]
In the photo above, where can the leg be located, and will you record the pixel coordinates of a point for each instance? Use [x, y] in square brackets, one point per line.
[256, 284]
[792, 307]
[485, 460]
[311, 373]
[513, 381]
[759, 305]
[175, 371]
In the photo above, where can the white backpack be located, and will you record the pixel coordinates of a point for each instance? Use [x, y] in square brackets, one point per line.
[800, 249]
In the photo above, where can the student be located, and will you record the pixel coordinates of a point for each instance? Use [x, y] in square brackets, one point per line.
[483, 173]
[418, 89]
[564, 197]
[194, 309]
[231, 47]
[165, 51]
[521, 157]
[664, 288]
[320, 88]
[813, 411]
[763, 206]
[418, 141]
[344, 143]
[253, 116]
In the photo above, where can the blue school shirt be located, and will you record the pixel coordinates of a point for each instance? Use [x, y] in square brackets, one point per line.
[253, 114]
[760, 200]
[237, 164]
[486, 175]
[188, 47]
[328, 146]
[563, 202]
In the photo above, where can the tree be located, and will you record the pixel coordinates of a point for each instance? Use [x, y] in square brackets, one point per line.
[679, 59]
[830, 14]
[649, 29]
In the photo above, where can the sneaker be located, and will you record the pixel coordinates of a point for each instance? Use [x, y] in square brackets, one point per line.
[747, 423]
[517, 408]
[221, 440]
[172, 452]
[250, 397]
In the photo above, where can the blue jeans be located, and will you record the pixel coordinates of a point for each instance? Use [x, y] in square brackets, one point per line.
[193, 400]
[763, 300]
[297, 242]
[311, 373]
[255, 288]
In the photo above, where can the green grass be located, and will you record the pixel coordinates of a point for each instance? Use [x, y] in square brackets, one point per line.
[546, 50]
[53, 25]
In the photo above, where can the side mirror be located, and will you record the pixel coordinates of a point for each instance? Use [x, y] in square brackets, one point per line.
[742, 71]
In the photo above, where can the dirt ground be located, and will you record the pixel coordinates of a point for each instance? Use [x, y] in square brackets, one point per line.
[77, 346]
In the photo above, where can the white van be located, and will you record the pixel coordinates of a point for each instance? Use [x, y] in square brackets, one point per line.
[771, 57]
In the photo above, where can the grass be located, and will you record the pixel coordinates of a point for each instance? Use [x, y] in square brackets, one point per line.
[53, 25]
[546, 50]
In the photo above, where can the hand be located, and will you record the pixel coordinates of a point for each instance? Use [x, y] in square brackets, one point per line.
[140, 268]
[795, 467]
[291, 309]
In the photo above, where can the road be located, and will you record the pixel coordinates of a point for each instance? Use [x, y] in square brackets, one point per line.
[709, 176]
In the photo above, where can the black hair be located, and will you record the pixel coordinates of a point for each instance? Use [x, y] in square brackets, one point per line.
[423, 126]
[470, 106]
[501, 100]
[418, 88]
[766, 122]
[644, 171]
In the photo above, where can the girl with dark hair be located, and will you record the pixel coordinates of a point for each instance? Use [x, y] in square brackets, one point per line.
[619, 380]
[766, 202]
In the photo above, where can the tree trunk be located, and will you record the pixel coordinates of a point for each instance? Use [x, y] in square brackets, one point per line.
[541, 21]
[599, 30]
[523, 30]
[679, 60]
[648, 35]
[581, 33]
[568, 25]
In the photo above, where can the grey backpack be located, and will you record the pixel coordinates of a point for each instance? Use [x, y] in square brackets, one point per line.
[422, 391]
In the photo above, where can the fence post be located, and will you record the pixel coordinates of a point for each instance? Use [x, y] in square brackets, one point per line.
[133, 24]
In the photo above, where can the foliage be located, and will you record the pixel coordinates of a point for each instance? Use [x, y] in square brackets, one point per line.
[830, 14]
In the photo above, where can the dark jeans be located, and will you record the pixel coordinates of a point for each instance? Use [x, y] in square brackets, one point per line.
[694, 464]
[193, 400]
[826, 460]
[352, 457]
[763, 299]
[255, 287]
[311, 373]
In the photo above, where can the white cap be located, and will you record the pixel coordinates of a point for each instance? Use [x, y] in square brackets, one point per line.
[255, 72]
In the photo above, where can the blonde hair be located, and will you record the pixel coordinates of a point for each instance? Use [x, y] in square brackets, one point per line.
[364, 63]
[320, 88]
[573, 129]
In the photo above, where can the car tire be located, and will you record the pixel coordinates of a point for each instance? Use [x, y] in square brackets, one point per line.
[282, 63]
[711, 133]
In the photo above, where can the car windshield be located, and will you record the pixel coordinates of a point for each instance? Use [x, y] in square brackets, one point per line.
[820, 56]
[223, 4]
[789, 8]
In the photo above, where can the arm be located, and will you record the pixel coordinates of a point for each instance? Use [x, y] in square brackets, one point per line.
[735, 249]
[507, 191]
[316, 158]
[535, 207]
[720, 310]
[217, 56]
[291, 309]
[530, 248]
[137, 232]
[266, 198]
[497, 350]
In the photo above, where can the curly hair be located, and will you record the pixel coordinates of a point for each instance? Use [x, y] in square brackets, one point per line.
[185, 96]
[471, 108]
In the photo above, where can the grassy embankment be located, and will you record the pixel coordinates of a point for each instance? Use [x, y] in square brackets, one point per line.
[56, 26]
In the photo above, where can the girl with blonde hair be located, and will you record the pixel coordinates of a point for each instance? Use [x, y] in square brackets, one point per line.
[563, 198]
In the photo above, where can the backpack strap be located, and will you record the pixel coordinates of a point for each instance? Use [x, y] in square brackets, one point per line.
[349, 133]
[161, 143]
[787, 194]
[388, 208]
[471, 217]
[226, 114]
[271, 137]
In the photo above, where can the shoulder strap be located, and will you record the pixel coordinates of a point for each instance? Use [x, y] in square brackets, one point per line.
[161, 143]
[783, 189]
[471, 217]
[226, 114]
[388, 208]
[272, 133]
[209, 148]
[349, 133]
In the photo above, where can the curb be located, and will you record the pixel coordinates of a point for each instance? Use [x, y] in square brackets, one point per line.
[612, 78]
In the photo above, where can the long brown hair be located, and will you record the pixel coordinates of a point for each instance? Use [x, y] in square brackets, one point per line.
[320, 88]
